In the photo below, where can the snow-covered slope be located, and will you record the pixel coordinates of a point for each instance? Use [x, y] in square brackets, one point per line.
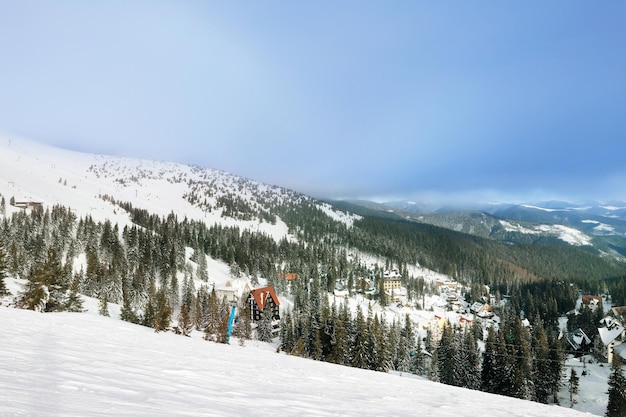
[69, 364]
[35, 172]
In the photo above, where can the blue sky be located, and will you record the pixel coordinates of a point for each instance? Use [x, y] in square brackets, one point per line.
[448, 100]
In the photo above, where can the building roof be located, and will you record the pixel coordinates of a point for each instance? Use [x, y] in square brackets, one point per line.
[289, 276]
[619, 312]
[261, 294]
[620, 350]
[577, 339]
[609, 334]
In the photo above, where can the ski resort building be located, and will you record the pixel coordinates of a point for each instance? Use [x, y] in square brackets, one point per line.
[261, 299]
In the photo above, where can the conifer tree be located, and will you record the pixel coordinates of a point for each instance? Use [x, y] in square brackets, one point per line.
[340, 348]
[573, 385]
[555, 368]
[243, 326]
[360, 351]
[489, 372]
[405, 347]
[213, 317]
[150, 309]
[467, 371]
[46, 289]
[185, 324]
[446, 356]
[617, 391]
[163, 316]
[104, 307]
[541, 364]
[264, 328]
[3, 269]
[74, 301]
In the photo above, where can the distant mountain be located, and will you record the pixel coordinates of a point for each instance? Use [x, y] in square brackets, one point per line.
[598, 225]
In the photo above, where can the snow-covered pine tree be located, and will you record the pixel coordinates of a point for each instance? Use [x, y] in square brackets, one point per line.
[104, 307]
[573, 385]
[213, 317]
[467, 371]
[264, 328]
[163, 316]
[540, 364]
[185, 324]
[446, 356]
[617, 391]
[47, 289]
[3, 269]
[74, 300]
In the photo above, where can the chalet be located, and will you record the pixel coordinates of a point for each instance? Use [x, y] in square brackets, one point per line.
[232, 292]
[261, 299]
[28, 205]
[592, 301]
[482, 310]
[612, 334]
[578, 340]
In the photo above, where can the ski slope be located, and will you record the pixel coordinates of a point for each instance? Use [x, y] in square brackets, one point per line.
[72, 364]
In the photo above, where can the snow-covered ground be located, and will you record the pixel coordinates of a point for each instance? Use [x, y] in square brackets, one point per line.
[566, 234]
[72, 364]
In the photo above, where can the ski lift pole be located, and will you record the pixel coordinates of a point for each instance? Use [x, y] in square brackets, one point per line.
[231, 319]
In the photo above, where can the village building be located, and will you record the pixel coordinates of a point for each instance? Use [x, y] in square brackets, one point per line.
[233, 291]
[578, 341]
[592, 301]
[289, 276]
[392, 280]
[263, 300]
[28, 205]
[482, 310]
[612, 335]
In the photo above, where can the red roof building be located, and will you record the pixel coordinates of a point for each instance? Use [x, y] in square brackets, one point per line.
[261, 299]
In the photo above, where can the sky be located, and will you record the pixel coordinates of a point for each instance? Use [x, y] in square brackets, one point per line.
[411, 100]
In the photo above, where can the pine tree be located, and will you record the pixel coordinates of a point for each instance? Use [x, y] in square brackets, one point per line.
[149, 311]
[360, 352]
[243, 326]
[213, 317]
[3, 270]
[104, 307]
[163, 315]
[489, 372]
[446, 356]
[264, 328]
[405, 347]
[74, 301]
[555, 368]
[185, 324]
[467, 371]
[573, 383]
[541, 364]
[617, 391]
[46, 289]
